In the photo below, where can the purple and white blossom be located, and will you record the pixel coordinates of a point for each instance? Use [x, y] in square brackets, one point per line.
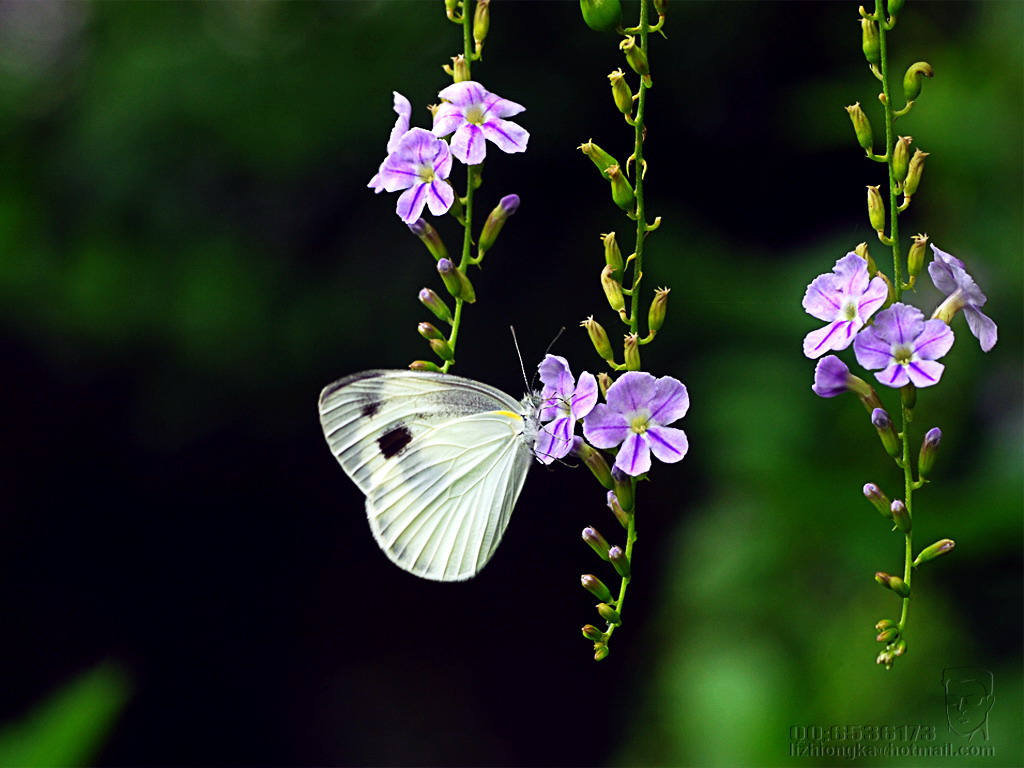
[639, 407]
[950, 277]
[419, 164]
[904, 346]
[844, 298]
[474, 115]
[563, 401]
[831, 377]
[404, 111]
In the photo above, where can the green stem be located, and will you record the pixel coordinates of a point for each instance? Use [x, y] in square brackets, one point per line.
[889, 152]
[630, 539]
[908, 489]
[638, 169]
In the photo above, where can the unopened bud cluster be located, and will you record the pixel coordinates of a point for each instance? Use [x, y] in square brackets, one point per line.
[607, 607]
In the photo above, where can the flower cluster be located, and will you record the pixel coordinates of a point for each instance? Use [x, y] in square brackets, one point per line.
[420, 161]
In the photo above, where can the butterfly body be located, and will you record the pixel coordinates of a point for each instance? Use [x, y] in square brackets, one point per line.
[441, 460]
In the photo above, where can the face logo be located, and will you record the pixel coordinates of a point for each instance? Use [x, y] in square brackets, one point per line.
[968, 700]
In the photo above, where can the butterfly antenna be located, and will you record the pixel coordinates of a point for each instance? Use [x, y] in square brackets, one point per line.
[519, 354]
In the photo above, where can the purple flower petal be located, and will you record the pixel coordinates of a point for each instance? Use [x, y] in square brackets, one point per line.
[585, 397]
[871, 350]
[820, 298]
[830, 377]
[504, 108]
[632, 391]
[946, 271]
[403, 109]
[553, 370]
[440, 197]
[924, 373]
[410, 203]
[506, 135]
[670, 402]
[835, 336]
[447, 119]
[983, 327]
[934, 341]
[605, 427]
[465, 94]
[634, 457]
[899, 324]
[554, 440]
[468, 144]
[894, 376]
[851, 273]
[668, 444]
[872, 299]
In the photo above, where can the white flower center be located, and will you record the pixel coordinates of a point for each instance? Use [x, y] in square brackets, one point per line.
[902, 354]
[475, 114]
[425, 173]
[640, 422]
[849, 310]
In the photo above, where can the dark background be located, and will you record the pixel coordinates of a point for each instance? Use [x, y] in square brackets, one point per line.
[189, 253]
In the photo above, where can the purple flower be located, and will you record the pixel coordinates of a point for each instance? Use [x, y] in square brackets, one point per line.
[831, 377]
[950, 277]
[473, 115]
[845, 299]
[419, 164]
[404, 111]
[638, 408]
[563, 401]
[905, 346]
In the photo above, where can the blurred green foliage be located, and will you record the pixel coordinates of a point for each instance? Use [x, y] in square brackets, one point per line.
[188, 253]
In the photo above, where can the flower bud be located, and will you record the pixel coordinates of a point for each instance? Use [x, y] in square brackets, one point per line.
[940, 547]
[481, 23]
[603, 382]
[895, 6]
[599, 338]
[620, 561]
[661, 7]
[596, 541]
[886, 431]
[430, 237]
[608, 613]
[631, 352]
[656, 315]
[594, 460]
[601, 651]
[601, 15]
[495, 221]
[459, 69]
[442, 350]
[622, 190]
[612, 290]
[862, 251]
[623, 489]
[878, 499]
[424, 365]
[636, 58]
[888, 635]
[885, 624]
[450, 275]
[451, 8]
[593, 633]
[621, 92]
[901, 158]
[876, 209]
[620, 514]
[435, 304]
[901, 516]
[596, 587]
[612, 254]
[598, 156]
[861, 126]
[915, 259]
[900, 647]
[870, 42]
[914, 173]
[895, 583]
[912, 79]
[929, 447]
[885, 657]
[428, 331]
[908, 396]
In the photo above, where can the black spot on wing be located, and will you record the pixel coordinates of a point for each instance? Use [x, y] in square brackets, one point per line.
[370, 407]
[394, 440]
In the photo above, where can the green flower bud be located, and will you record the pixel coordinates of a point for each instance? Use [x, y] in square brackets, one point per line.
[596, 541]
[596, 587]
[878, 499]
[622, 190]
[612, 254]
[631, 351]
[871, 44]
[908, 396]
[885, 657]
[895, 6]
[608, 613]
[861, 126]
[929, 447]
[623, 489]
[593, 633]
[940, 547]
[594, 460]
[435, 304]
[451, 8]
[620, 514]
[901, 158]
[601, 15]
[442, 350]
[862, 251]
[636, 58]
[914, 173]
[612, 290]
[429, 332]
[621, 92]
[895, 583]
[459, 70]
[598, 156]
[656, 315]
[600, 651]
[495, 221]
[887, 635]
[603, 382]
[481, 23]
[620, 561]
[916, 256]
[450, 275]
[885, 624]
[599, 338]
[886, 431]
[876, 209]
[900, 647]
[912, 79]
[430, 237]
[901, 516]
[661, 7]
[424, 365]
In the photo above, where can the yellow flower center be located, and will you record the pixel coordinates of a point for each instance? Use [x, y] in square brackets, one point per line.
[475, 114]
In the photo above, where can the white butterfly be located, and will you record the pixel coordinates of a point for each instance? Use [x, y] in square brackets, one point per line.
[441, 460]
